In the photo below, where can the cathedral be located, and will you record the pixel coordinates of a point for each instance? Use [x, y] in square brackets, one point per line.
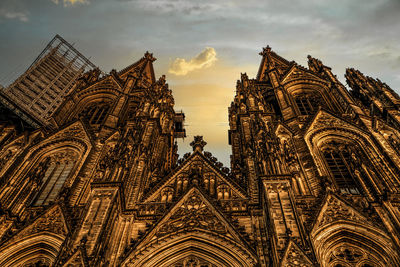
[90, 174]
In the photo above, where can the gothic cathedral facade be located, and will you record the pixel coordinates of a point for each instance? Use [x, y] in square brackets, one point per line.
[314, 177]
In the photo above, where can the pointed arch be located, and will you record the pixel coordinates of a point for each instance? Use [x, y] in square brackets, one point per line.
[210, 247]
[364, 159]
[344, 237]
[348, 243]
[94, 107]
[47, 168]
[43, 247]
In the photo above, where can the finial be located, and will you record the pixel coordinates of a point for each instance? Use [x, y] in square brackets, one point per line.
[198, 143]
[315, 64]
[265, 50]
[149, 56]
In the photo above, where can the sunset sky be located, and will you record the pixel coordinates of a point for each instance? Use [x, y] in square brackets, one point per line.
[203, 46]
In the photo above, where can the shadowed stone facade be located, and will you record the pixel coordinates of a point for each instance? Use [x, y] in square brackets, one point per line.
[314, 177]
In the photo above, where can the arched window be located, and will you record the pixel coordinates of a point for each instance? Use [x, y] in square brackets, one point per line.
[308, 103]
[223, 192]
[167, 194]
[339, 164]
[96, 114]
[59, 169]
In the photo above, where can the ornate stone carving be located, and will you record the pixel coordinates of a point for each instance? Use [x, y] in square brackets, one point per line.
[336, 210]
[193, 261]
[192, 214]
[294, 257]
[52, 221]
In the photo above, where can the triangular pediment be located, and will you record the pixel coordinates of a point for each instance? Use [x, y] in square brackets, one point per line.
[323, 119]
[193, 212]
[283, 130]
[272, 60]
[52, 221]
[74, 130]
[108, 83]
[299, 73]
[196, 170]
[294, 256]
[336, 210]
[141, 69]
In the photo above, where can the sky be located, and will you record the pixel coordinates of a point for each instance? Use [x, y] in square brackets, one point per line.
[203, 46]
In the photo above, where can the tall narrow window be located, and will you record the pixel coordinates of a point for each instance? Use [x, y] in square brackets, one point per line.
[96, 114]
[308, 104]
[304, 106]
[338, 163]
[59, 170]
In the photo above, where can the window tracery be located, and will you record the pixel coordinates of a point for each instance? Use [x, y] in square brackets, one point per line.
[308, 103]
[96, 113]
[59, 168]
[340, 163]
[349, 256]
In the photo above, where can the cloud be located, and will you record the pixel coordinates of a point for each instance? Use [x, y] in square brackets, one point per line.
[180, 6]
[10, 14]
[205, 59]
[71, 2]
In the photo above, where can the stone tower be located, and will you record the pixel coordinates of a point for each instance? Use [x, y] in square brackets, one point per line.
[320, 163]
[314, 177]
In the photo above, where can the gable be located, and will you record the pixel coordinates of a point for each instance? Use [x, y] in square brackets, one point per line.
[335, 210]
[294, 256]
[142, 69]
[325, 119]
[298, 73]
[199, 171]
[107, 86]
[283, 130]
[52, 221]
[270, 61]
[74, 130]
[192, 224]
[191, 213]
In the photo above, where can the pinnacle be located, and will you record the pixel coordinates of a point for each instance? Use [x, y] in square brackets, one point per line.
[198, 143]
[149, 56]
[266, 50]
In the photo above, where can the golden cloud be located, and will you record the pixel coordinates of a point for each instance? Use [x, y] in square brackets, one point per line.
[204, 98]
[205, 59]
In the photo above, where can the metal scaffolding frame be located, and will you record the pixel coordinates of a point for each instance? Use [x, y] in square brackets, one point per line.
[40, 90]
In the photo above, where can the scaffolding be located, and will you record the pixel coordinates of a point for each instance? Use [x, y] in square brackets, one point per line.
[40, 90]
